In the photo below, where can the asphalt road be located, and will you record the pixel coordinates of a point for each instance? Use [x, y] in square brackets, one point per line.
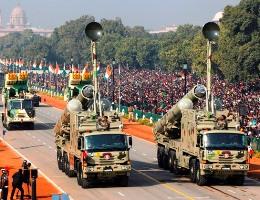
[147, 181]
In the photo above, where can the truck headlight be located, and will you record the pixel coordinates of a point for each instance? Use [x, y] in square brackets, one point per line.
[124, 167]
[208, 166]
[241, 166]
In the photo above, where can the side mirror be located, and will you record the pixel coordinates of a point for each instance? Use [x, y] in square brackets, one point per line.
[80, 143]
[198, 144]
[130, 141]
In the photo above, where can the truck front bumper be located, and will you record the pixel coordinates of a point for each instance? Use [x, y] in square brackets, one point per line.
[219, 168]
[21, 120]
[107, 170]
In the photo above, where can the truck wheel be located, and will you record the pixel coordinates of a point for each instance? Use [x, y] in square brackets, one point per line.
[9, 127]
[85, 183]
[123, 180]
[200, 179]
[171, 164]
[79, 173]
[193, 170]
[62, 163]
[59, 159]
[160, 156]
[68, 171]
[165, 161]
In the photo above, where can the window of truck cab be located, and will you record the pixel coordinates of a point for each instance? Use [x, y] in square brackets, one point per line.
[106, 142]
[224, 140]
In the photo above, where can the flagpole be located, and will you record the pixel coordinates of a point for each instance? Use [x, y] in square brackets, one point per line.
[94, 61]
[119, 90]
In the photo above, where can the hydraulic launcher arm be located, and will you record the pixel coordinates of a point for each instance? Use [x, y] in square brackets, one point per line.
[174, 114]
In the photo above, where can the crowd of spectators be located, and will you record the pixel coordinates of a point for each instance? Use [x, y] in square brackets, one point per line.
[156, 91]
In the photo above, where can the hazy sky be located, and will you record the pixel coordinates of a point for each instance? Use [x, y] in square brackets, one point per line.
[152, 14]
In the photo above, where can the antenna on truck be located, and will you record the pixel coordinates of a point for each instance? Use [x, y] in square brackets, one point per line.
[211, 32]
[94, 31]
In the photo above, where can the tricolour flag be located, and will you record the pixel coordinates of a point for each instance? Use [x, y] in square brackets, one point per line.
[51, 70]
[108, 71]
[57, 69]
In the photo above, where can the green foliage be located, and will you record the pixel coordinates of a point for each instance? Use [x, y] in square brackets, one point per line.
[239, 42]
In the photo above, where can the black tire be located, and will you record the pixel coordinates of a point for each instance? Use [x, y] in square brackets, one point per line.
[9, 127]
[79, 173]
[200, 179]
[59, 159]
[123, 181]
[175, 168]
[62, 163]
[68, 171]
[165, 160]
[160, 156]
[171, 163]
[193, 170]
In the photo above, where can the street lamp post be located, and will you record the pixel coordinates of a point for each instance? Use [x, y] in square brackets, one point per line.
[185, 68]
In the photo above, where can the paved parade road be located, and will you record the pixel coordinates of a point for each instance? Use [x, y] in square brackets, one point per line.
[147, 181]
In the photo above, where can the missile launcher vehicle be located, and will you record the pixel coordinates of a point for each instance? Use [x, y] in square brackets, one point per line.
[92, 148]
[206, 144]
[18, 110]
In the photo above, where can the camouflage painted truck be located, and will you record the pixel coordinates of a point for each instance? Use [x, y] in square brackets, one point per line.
[17, 110]
[207, 145]
[88, 149]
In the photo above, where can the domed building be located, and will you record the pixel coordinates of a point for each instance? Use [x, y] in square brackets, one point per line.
[18, 23]
[18, 18]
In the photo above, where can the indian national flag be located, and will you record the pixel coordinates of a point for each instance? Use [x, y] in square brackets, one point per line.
[108, 71]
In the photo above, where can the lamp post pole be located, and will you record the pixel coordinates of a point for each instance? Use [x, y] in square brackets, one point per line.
[185, 68]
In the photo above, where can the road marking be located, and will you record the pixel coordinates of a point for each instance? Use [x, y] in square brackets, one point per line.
[169, 197]
[34, 166]
[34, 137]
[44, 143]
[165, 185]
[50, 147]
[232, 191]
[121, 194]
[154, 158]
[39, 140]
[144, 154]
[134, 150]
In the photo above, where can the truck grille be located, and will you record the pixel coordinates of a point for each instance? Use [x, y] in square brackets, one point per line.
[222, 158]
[104, 161]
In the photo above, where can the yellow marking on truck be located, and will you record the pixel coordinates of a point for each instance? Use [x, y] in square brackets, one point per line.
[166, 185]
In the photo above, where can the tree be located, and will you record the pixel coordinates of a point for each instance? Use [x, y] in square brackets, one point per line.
[239, 42]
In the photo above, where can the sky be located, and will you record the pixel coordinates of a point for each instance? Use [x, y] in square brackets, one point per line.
[152, 14]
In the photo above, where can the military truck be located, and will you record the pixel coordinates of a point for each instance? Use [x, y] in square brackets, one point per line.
[205, 144]
[89, 147]
[17, 109]
[19, 112]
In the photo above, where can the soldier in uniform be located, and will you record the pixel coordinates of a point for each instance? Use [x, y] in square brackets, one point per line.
[4, 184]
[104, 123]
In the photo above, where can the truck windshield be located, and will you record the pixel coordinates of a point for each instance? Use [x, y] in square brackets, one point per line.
[225, 141]
[15, 104]
[27, 104]
[106, 142]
